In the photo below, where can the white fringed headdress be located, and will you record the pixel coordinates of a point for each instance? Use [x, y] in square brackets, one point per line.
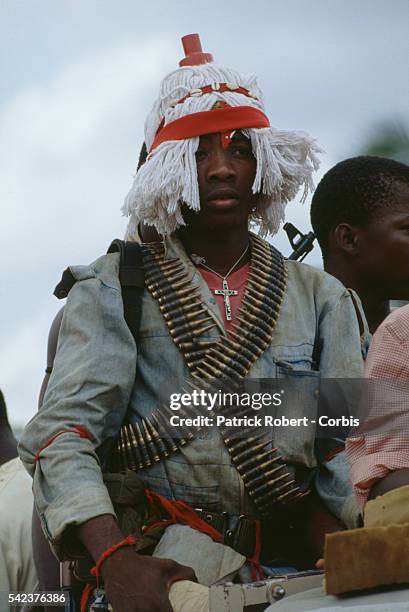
[285, 159]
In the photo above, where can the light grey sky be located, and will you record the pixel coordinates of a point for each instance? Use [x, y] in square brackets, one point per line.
[77, 79]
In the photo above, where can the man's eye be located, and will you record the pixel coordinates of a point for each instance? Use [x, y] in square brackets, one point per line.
[241, 151]
[200, 154]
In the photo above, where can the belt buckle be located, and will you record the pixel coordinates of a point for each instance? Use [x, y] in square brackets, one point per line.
[243, 536]
[218, 521]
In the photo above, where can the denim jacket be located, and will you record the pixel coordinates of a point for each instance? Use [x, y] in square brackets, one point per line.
[99, 372]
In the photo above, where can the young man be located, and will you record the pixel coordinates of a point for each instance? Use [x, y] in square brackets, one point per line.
[360, 215]
[219, 303]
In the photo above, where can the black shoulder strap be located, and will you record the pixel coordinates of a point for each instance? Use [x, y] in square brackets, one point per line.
[132, 279]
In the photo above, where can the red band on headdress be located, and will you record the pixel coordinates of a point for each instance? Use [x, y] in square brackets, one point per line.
[217, 88]
[211, 122]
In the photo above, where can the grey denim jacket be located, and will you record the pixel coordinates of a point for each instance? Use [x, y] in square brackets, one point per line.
[99, 372]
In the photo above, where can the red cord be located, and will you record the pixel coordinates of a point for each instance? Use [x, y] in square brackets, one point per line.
[180, 512]
[129, 541]
[86, 593]
[95, 571]
[256, 569]
[78, 429]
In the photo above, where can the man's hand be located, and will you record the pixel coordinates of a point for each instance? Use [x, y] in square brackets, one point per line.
[133, 583]
[320, 564]
[136, 583]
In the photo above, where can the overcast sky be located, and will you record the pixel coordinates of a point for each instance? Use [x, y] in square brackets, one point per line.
[77, 79]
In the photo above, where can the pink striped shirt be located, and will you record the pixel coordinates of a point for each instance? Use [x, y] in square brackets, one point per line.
[373, 456]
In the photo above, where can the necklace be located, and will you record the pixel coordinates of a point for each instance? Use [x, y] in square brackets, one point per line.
[226, 292]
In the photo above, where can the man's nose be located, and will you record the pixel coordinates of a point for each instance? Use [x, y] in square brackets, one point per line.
[220, 166]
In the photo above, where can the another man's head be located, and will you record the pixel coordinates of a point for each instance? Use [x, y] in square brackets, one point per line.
[360, 214]
[197, 103]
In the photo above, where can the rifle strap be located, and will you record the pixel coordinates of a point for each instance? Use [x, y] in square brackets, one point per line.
[131, 277]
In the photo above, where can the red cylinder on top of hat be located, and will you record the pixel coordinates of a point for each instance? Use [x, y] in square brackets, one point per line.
[194, 55]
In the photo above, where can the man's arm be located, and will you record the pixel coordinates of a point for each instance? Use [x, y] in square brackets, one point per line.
[85, 403]
[133, 583]
[393, 480]
[92, 378]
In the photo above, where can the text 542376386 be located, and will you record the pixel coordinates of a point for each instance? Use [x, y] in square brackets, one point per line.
[50, 598]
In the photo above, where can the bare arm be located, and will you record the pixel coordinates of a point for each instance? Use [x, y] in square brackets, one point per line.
[393, 480]
[133, 583]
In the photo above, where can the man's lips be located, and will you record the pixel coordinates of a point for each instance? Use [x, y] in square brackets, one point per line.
[223, 198]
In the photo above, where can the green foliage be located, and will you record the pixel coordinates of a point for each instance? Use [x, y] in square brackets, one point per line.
[389, 139]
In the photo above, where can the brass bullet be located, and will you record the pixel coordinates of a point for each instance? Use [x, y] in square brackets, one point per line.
[264, 486]
[242, 444]
[127, 449]
[196, 332]
[141, 445]
[163, 428]
[257, 323]
[255, 458]
[265, 465]
[134, 447]
[251, 452]
[150, 443]
[294, 492]
[246, 363]
[275, 490]
[191, 317]
[171, 278]
[159, 444]
[230, 367]
[181, 297]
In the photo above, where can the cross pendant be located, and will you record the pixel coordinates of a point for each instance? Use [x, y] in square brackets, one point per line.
[226, 293]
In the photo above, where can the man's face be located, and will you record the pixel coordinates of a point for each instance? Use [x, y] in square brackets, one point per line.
[384, 249]
[225, 177]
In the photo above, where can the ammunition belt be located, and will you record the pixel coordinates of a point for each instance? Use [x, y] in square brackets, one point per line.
[142, 442]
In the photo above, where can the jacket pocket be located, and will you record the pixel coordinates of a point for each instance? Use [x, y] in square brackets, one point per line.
[300, 386]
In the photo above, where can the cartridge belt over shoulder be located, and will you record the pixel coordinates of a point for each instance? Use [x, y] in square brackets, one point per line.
[228, 358]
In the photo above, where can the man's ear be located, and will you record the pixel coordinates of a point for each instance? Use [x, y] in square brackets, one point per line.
[347, 238]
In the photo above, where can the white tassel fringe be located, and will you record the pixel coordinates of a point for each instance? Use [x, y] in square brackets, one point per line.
[285, 159]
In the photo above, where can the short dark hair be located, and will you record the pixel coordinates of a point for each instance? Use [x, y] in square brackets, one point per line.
[353, 191]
